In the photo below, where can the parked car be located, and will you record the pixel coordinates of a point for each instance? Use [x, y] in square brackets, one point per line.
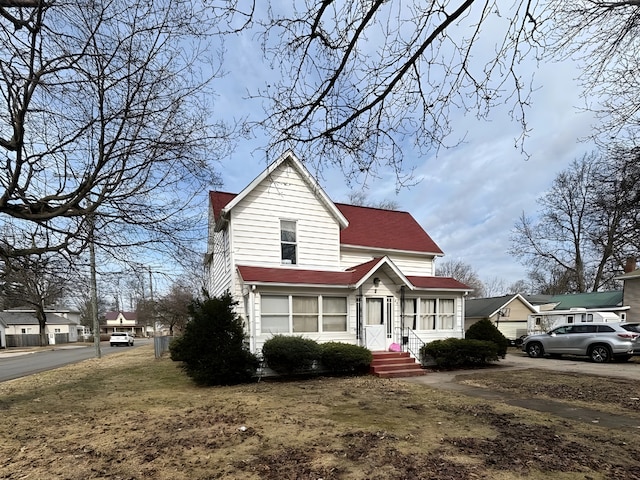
[121, 338]
[599, 341]
[633, 327]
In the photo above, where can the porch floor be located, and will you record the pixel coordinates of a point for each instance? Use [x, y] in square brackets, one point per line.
[395, 365]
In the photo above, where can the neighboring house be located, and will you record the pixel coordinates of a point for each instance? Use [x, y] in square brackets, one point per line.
[575, 307]
[21, 326]
[123, 322]
[300, 264]
[508, 313]
[631, 290]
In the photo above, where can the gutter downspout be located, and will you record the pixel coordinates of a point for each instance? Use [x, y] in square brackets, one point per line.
[252, 314]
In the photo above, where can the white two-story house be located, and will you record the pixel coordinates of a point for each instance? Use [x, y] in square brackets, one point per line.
[299, 264]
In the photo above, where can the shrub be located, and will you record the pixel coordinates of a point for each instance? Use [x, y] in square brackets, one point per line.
[213, 348]
[486, 330]
[345, 358]
[288, 355]
[456, 352]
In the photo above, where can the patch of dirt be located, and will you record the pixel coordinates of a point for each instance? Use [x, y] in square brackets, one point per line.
[611, 394]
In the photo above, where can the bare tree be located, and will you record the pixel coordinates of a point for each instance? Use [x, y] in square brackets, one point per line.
[586, 227]
[35, 282]
[359, 79]
[361, 198]
[104, 116]
[463, 272]
[603, 36]
[173, 308]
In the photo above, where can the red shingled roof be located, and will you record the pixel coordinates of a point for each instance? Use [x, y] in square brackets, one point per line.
[446, 283]
[218, 201]
[294, 276]
[307, 277]
[378, 228]
[368, 227]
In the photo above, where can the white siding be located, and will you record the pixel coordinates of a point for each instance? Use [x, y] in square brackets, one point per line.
[220, 269]
[256, 224]
[418, 265]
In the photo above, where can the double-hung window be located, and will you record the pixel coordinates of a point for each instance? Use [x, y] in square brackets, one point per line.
[288, 242]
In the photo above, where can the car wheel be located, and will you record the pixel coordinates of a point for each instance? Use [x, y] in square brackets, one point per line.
[600, 354]
[535, 350]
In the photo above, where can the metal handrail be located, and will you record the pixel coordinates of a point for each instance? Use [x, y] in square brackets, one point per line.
[411, 342]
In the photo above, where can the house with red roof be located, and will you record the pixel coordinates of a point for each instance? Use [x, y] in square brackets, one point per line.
[299, 264]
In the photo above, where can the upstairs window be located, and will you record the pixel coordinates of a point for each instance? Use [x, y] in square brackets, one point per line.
[288, 243]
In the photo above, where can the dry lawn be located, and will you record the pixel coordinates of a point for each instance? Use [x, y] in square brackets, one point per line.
[129, 416]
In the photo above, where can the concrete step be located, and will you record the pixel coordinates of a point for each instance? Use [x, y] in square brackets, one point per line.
[395, 365]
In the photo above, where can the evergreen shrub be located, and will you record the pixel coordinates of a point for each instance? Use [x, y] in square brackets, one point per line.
[344, 358]
[213, 347]
[289, 354]
[486, 330]
[457, 352]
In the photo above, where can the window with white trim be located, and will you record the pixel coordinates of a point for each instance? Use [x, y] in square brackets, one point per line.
[427, 314]
[410, 312]
[303, 313]
[334, 314]
[433, 314]
[275, 314]
[288, 245]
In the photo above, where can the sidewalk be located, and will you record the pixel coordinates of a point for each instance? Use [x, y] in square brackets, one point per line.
[18, 351]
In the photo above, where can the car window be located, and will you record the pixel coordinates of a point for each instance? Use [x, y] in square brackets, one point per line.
[605, 328]
[561, 330]
[632, 328]
[583, 329]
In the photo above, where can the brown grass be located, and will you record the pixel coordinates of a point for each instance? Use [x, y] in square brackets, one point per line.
[129, 416]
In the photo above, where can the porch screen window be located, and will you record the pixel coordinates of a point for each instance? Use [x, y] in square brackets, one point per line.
[305, 314]
[275, 314]
[427, 314]
[410, 313]
[446, 313]
[334, 314]
[288, 242]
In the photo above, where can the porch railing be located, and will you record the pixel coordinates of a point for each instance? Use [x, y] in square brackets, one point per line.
[410, 342]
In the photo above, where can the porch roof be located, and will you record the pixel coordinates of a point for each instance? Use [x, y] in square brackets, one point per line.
[350, 278]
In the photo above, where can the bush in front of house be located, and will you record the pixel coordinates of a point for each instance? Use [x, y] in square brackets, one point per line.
[287, 355]
[213, 347]
[486, 330]
[344, 358]
[458, 352]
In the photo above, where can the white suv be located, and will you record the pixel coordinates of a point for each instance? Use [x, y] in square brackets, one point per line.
[599, 341]
[121, 338]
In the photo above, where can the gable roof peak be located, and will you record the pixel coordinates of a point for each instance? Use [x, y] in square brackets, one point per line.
[290, 158]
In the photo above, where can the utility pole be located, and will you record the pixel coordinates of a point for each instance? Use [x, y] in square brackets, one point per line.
[153, 307]
[94, 287]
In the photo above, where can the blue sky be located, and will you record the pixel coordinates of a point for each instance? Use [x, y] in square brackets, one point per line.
[469, 197]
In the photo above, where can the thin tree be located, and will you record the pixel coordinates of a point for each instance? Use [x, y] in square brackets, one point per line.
[35, 282]
[463, 272]
[586, 226]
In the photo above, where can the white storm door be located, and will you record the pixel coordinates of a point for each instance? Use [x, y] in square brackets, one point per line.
[375, 335]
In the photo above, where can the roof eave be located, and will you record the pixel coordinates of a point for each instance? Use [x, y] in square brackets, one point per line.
[383, 250]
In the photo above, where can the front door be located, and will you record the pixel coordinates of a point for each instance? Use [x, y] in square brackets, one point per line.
[375, 335]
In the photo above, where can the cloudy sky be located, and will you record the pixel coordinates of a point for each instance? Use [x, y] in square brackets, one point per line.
[469, 197]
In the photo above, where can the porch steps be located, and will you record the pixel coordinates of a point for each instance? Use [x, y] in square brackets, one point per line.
[395, 365]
